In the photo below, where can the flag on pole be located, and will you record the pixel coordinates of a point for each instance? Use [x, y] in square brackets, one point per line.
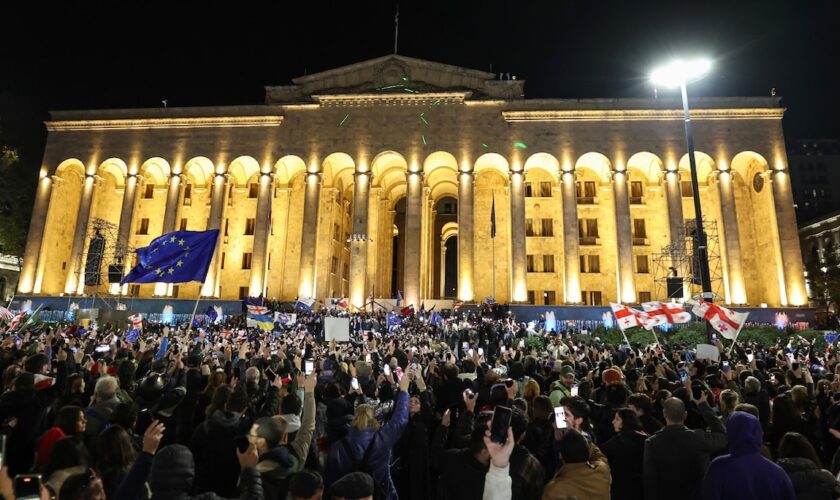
[260, 321]
[458, 305]
[493, 218]
[435, 318]
[6, 314]
[399, 298]
[16, 320]
[408, 310]
[252, 309]
[627, 317]
[343, 303]
[660, 313]
[725, 321]
[164, 346]
[176, 257]
[136, 321]
[304, 304]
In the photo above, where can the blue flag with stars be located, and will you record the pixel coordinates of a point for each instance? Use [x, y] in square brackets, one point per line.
[176, 257]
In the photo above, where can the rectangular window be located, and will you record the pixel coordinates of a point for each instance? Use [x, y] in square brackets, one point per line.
[253, 190]
[334, 265]
[144, 227]
[550, 297]
[642, 264]
[637, 192]
[249, 227]
[227, 226]
[685, 189]
[243, 292]
[134, 290]
[531, 296]
[188, 195]
[548, 227]
[529, 190]
[149, 193]
[175, 291]
[223, 259]
[545, 189]
[529, 227]
[246, 260]
[639, 230]
[588, 231]
[269, 261]
[594, 264]
[644, 297]
[548, 263]
[346, 272]
[594, 298]
[585, 192]
[183, 225]
[336, 231]
[532, 263]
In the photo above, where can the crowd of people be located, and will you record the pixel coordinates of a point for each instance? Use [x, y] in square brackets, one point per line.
[410, 412]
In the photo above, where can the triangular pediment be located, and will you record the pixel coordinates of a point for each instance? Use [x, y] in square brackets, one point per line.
[395, 74]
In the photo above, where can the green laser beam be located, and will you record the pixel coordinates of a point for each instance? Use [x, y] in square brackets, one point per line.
[344, 119]
[436, 103]
[520, 145]
[405, 78]
[424, 139]
[424, 119]
[485, 145]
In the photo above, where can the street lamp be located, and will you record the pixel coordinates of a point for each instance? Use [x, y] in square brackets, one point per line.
[681, 73]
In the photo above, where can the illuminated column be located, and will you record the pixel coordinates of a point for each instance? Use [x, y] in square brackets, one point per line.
[442, 268]
[732, 244]
[217, 209]
[794, 275]
[35, 238]
[72, 285]
[127, 211]
[465, 236]
[413, 241]
[623, 238]
[359, 239]
[259, 262]
[173, 196]
[673, 194]
[308, 239]
[571, 241]
[519, 275]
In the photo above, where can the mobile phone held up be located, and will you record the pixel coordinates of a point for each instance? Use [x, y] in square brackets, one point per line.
[499, 425]
[574, 390]
[683, 375]
[308, 366]
[28, 487]
[386, 369]
[560, 417]
[354, 383]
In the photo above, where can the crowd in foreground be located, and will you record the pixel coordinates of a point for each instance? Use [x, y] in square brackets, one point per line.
[234, 412]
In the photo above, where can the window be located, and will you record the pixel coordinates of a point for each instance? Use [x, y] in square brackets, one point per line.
[183, 226]
[529, 227]
[269, 261]
[243, 292]
[585, 192]
[336, 231]
[223, 259]
[149, 193]
[548, 263]
[639, 232]
[334, 265]
[175, 291]
[188, 195]
[685, 189]
[594, 298]
[529, 190]
[590, 264]
[144, 227]
[246, 260]
[637, 192]
[644, 297]
[547, 227]
[249, 227]
[549, 298]
[588, 231]
[134, 290]
[227, 224]
[346, 272]
[642, 264]
[449, 208]
[532, 263]
[545, 189]
[253, 190]
[531, 296]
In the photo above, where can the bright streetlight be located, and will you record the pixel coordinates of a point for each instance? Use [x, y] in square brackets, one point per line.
[679, 73]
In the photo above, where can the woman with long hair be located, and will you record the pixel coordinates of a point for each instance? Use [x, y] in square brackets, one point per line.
[219, 399]
[69, 422]
[800, 461]
[625, 452]
[115, 454]
[214, 381]
[74, 392]
[68, 457]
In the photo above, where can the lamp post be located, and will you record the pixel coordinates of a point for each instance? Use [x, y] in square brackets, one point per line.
[681, 73]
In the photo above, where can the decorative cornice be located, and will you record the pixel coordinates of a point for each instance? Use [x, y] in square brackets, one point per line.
[159, 123]
[423, 99]
[642, 115]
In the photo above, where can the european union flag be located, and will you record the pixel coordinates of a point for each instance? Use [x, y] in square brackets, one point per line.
[176, 257]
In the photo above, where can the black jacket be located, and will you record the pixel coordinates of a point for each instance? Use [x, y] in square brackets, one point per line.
[809, 481]
[172, 473]
[625, 452]
[461, 475]
[30, 410]
[214, 451]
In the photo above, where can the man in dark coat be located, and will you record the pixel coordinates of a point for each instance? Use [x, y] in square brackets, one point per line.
[676, 457]
[173, 471]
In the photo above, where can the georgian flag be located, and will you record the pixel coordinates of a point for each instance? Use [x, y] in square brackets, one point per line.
[6, 314]
[17, 319]
[725, 321]
[627, 317]
[660, 313]
[253, 309]
[343, 303]
[136, 321]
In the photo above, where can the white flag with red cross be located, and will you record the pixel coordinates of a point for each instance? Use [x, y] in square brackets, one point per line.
[627, 317]
[660, 313]
[725, 321]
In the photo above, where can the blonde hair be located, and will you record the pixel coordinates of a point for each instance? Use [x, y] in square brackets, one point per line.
[531, 390]
[364, 418]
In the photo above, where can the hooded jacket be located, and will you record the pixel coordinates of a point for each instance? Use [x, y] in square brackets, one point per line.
[744, 472]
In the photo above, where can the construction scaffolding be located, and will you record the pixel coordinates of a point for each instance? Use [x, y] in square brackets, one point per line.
[105, 259]
[676, 268]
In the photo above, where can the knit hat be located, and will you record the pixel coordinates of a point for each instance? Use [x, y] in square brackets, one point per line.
[353, 485]
[612, 376]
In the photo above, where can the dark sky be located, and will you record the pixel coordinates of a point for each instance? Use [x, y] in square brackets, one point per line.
[66, 56]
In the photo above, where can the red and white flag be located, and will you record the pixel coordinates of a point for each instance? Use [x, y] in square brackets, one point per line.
[16, 320]
[458, 305]
[660, 313]
[627, 317]
[6, 314]
[725, 321]
[136, 321]
[257, 309]
[343, 303]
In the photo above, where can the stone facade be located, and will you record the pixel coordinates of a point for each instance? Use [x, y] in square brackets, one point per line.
[349, 182]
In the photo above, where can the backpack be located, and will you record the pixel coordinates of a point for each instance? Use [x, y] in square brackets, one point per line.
[363, 465]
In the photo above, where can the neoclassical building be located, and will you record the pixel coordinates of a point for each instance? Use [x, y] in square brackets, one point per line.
[382, 175]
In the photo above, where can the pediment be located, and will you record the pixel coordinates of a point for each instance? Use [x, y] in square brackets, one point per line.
[395, 74]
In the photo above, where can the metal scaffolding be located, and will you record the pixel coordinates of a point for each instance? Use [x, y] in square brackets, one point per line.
[678, 263]
[110, 251]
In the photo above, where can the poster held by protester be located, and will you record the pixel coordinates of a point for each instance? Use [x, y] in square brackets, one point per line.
[708, 351]
[337, 329]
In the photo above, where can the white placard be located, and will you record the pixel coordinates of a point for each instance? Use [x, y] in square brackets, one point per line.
[708, 351]
[337, 329]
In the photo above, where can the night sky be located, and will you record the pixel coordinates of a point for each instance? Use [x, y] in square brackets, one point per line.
[63, 56]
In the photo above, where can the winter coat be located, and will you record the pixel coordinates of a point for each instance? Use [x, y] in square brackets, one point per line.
[625, 452]
[677, 457]
[539, 439]
[30, 410]
[411, 465]
[383, 440]
[744, 472]
[809, 481]
[590, 480]
[527, 474]
[173, 471]
[214, 452]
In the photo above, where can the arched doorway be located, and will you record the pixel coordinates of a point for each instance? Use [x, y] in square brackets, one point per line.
[445, 233]
[450, 268]
[398, 254]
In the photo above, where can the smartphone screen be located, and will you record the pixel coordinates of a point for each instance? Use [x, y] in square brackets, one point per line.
[574, 391]
[399, 373]
[750, 358]
[465, 345]
[354, 383]
[500, 424]
[387, 370]
[28, 487]
[308, 366]
[521, 344]
[504, 349]
[560, 417]
[2, 450]
[481, 351]
[725, 366]
[683, 375]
